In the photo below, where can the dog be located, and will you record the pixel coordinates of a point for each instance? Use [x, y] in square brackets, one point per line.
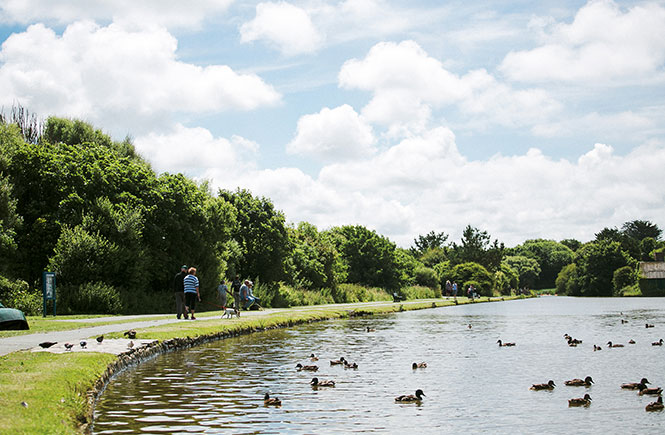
[230, 312]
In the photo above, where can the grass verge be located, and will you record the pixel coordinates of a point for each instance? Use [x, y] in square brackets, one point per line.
[54, 386]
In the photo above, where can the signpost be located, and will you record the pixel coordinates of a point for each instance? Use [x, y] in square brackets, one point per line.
[48, 279]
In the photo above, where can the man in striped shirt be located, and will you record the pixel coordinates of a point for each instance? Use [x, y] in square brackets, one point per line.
[191, 284]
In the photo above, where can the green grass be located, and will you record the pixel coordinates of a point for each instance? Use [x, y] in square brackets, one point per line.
[54, 386]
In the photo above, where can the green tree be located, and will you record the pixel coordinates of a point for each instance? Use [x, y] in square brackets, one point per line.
[567, 282]
[647, 247]
[572, 244]
[527, 269]
[473, 273]
[639, 230]
[596, 263]
[431, 240]
[551, 257]
[476, 247]
[314, 262]
[624, 277]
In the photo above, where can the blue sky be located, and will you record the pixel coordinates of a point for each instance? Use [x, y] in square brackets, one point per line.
[525, 119]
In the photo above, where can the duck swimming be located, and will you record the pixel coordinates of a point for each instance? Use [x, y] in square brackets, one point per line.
[267, 400]
[586, 382]
[648, 326]
[631, 341]
[655, 406]
[370, 329]
[313, 357]
[410, 398]
[421, 365]
[657, 343]
[635, 385]
[502, 344]
[548, 386]
[609, 343]
[311, 368]
[348, 365]
[580, 401]
[595, 348]
[337, 362]
[651, 391]
[316, 383]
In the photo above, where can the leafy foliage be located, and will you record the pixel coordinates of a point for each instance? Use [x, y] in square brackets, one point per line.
[551, 257]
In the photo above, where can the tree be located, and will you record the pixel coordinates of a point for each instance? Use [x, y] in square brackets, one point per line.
[473, 273]
[431, 240]
[595, 266]
[567, 282]
[572, 244]
[262, 236]
[551, 257]
[639, 230]
[476, 248]
[527, 269]
[314, 262]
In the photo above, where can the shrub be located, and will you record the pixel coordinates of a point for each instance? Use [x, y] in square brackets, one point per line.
[473, 273]
[421, 292]
[17, 294]
[90, 298]
[623, 278]
[426, 276]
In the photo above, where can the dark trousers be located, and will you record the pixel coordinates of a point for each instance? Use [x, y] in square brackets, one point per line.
[180, 304]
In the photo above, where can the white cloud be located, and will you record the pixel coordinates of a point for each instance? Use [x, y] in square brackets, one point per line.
[169, 13]
[118, 77]
[629, 124]
[333, 135]
[284, 25]
[407, 84]
[603, 44]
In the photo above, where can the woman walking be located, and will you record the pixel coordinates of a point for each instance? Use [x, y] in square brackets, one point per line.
[191, 284]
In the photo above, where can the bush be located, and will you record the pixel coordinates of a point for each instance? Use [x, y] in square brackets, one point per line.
[421, 292]
[426, 276]
[473, 273]
[17, 294]
[623, 278]
[567, 282]
[90, 298]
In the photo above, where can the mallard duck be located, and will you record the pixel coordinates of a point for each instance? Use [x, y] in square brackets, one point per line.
[623, 321]
[337, 362]
[574, 341]
[548, 386]
[410, 397]
[311, 368]
[648, 326]
[655, 406]
[130, 344]
[580, 401]
[267, 400]
[370, 329]
[597, 347]
[313, 357]
[68, 346]
[100, 339]
[348, 365]
[316, 383]
[635, 385]
[650, 391]
[586, 382]
[504, 344]
[657, 343]
[421, 365]
[631, 341]
[131, 334]
[609, 343]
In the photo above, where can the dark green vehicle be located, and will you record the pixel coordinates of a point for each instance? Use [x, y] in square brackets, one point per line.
[12, 319]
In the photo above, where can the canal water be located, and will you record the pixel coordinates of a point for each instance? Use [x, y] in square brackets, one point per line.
[471, 384]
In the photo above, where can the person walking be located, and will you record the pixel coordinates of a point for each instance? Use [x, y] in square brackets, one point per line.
[191, 285]
[179, 289]
[235, 286]
[222, 290]
[455, 289]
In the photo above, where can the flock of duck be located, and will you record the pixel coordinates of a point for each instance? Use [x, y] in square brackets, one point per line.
[588, 381]
[316, 382]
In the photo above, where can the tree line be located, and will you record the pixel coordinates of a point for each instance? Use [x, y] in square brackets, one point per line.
[89, 208]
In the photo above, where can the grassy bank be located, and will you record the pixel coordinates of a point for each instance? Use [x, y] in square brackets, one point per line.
[54, 386]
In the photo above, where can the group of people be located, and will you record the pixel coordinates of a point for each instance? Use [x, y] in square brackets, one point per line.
[451, 288]
[186, 288]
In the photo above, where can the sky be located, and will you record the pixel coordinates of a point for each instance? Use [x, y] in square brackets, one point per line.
[523, 119]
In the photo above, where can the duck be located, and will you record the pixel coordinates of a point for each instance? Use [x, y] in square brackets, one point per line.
[609, 343]
[655, 406]
[647, 325]
[548, 386]
[311, 368]
[635, 385]
[586, 382]
[657, 343]
[650, 391]
[595, 348]
[337, 362]
[130, 344]
[631, 341]
[502, 344]
[580, 401]
[131, 334]
[100, 339]
[68, 346]
[83, 344]
[421, 365]
[623, 321]
[316, 383]
[410, 398]
[47, 344]
[313, 357]
[370, 329]
[348, 365]
[575, 341]
[267, 400]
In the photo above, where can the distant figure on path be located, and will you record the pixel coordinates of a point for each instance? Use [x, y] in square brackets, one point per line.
[455, 289]
[222, 290]
[235, 286]
[449, 288]
[191, 284]
[179, 289]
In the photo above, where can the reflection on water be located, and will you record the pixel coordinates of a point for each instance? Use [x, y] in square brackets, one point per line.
[471, 384]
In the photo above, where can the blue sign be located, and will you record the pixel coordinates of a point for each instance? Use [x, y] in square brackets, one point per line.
[48, 279]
